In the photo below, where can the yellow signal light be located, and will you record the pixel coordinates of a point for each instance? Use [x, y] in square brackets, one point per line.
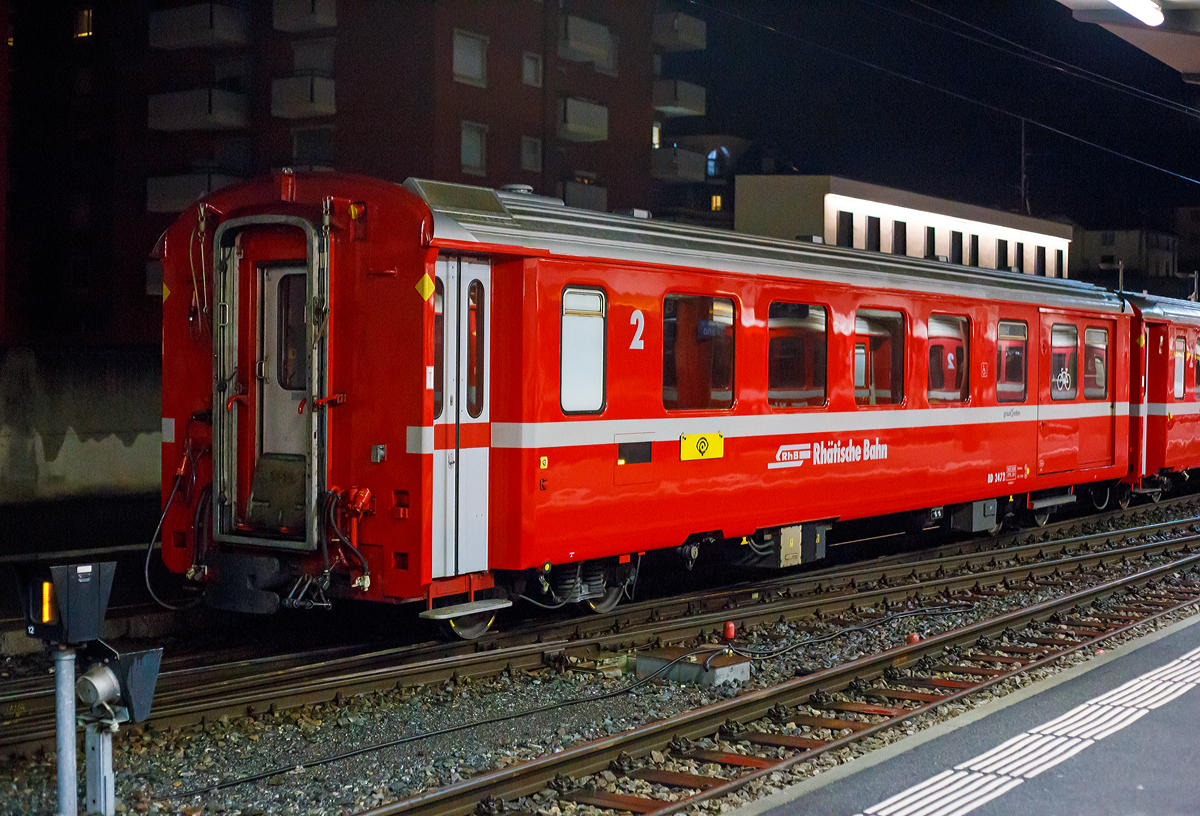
[49, 603]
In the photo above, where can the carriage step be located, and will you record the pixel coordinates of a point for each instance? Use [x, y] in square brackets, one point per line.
[470, 608]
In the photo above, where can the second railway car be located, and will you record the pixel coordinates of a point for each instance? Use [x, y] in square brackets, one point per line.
[459, 396]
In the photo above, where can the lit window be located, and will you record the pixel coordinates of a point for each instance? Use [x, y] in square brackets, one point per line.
[83, 24]
[1064, 362]
[716, 203]
[1095, 363]
[531, 154]
[1180, 353]
[718, 161]
[656, 139]
[581, 374]
[474, 148]
[531, 69]
[470, 58]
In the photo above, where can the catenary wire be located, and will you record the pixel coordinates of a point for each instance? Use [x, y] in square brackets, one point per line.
[962, 97]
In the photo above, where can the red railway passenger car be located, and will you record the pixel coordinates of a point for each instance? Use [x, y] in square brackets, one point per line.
[458, 396]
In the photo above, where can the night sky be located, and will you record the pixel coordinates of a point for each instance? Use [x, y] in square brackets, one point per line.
[804, 95]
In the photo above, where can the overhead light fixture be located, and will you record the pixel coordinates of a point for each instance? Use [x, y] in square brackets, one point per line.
[1148, 11]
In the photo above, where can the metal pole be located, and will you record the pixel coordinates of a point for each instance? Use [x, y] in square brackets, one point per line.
[101, 786]
[64, 705]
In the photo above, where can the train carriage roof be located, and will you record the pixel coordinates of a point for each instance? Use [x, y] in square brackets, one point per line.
[464, 215]
[1165, 308]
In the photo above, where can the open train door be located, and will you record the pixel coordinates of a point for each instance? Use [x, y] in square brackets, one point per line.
[462, 421]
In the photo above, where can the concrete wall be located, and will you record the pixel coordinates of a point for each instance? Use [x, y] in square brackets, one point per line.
[79, 423]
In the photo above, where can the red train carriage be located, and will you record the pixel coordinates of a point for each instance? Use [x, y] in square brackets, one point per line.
[1166, 403]
[457, 395]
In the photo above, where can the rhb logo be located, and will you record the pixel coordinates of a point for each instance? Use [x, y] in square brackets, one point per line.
[833, 452]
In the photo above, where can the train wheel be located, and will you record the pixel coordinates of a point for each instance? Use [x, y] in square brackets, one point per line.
[1100, 499]
[1124, 494]
[468, 627]
[606, 602]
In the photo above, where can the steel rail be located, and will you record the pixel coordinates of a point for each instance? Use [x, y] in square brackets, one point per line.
[461, 798]
[298, 683]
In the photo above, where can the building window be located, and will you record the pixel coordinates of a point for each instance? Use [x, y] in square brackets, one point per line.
[956, 247]
[873, 233]
[878, 357]
[697, 352]
[581, 373]
[796, 359]
[1019, 260]
[899, 238]
[1012, 340]
[1058, 263]
[470, 58]
[83, 24]
[949, 345]
[845, 229]
[531, 69]
[1064, 361]
[314, 57]
[531, 154]
[474, 148]
[1002, 255]
[973, 259]
[312, 146]
[656, 135]
[930, 243]
[1039, 262]
[1095, 363]
[716, 203]
[718, 162]
[1108, 238]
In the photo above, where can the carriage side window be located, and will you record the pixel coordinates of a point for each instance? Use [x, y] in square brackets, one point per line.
[949, 345]
[581, 375]
[1095, 363]
[1064, 358]
[475, 351]
[439, 345]
[795, 355]
[1012, 342]
[878, 357]
[292, 349]
[1180, 354]
[697, 352]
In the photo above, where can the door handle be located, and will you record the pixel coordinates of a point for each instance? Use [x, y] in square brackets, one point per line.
[450, 460]
[260, 370]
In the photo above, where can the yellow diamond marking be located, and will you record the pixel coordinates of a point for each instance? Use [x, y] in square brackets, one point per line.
[166, 292]
[425, 286]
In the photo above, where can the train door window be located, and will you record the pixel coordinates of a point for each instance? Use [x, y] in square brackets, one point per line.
[795, 355]
[697, 352]
[1180, 354]
[475, 361]
[873, 233]
[899, 238]
[1095, 363]
[1196, 364]
[949, 344]
[845, 229]
[292, 355]
[439, 345]
[878, 357]
[582, 376]
[1064, 359]
[1012, 342]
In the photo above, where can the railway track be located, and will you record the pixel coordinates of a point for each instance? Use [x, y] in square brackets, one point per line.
[763, 732]
[194, 694]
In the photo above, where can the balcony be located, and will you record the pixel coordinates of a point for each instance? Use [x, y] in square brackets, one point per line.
[201, 25]
[582, 121]
[674, 97]
[676, 166]
[199, 109]
[297, 16]
[581, 40]
[302, 97]
[173, 194]
[679, 32]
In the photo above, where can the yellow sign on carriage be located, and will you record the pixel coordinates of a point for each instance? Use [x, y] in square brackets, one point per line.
[701, 446]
